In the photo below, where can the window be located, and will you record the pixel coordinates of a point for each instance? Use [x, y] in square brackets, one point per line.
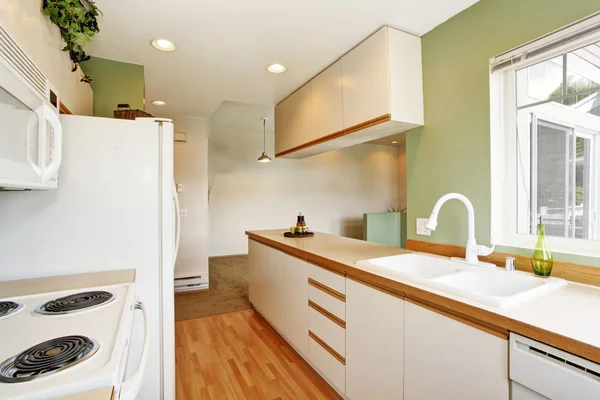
[546, 141]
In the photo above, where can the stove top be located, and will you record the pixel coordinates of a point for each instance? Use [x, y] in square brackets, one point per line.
[47, 358]
[9, 307]
[75, 302]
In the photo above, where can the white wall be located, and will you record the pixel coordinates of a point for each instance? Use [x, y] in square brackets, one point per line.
[191, 166]
[40, 39]
[332, 190]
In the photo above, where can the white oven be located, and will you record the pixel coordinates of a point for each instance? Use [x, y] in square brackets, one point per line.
[30, 130]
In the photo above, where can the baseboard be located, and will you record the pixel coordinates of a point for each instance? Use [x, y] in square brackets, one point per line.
[191, 283]
[227, 256]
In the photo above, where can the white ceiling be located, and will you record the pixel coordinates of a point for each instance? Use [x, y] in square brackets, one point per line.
[223, 46]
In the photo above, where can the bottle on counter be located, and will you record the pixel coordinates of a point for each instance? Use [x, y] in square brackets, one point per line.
[541, 259]
[299, 224]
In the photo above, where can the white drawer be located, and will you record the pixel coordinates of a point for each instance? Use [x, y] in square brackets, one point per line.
[328, 365]
[329, 279]
[328, 302]
[330, 332]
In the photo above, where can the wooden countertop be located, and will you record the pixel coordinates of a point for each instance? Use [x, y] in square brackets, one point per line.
[97, 394]
[565, 318]
[24, 287]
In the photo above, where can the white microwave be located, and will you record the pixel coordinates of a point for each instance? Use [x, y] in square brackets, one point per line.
[30, 129]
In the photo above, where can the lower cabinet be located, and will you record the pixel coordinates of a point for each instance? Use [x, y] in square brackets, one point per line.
[374, 344]
[446, 359]
[278, 289]
[371, 345]
[295, 299]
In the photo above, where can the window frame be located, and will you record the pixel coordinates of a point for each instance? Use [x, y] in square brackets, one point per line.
[504, 161]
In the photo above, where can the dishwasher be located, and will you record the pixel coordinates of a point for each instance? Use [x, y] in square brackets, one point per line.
[538, 371]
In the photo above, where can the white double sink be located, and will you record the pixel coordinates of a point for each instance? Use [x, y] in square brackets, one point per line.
[491, 286]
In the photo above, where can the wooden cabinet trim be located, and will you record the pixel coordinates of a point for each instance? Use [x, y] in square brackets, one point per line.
[336, 135]
[63, 109]
[327, 348]
[380, 288]
[493, 330]
[276, 246]
[572, 272]
[327, 314]
[327, 289]
[326, 268]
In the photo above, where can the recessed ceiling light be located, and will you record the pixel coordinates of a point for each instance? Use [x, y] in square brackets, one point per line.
[276, 68]
[163, 45]
[395, 142]
[159, 103]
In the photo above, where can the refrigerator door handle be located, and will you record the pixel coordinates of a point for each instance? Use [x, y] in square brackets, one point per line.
[177, 222]
[131, 387]
[51, 118]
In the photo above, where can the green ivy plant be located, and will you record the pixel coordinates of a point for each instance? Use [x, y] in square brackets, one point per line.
[77, 22]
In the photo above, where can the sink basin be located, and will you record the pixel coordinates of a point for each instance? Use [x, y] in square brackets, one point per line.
[413, 265]
[497, 288]
[494, 287]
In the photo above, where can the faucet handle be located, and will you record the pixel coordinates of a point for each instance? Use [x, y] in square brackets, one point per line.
[484, 250]
[510, 264]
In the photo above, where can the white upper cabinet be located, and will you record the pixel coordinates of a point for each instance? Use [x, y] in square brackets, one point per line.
[366, 81]
[373, 91]
[327, 111]
[296, 121]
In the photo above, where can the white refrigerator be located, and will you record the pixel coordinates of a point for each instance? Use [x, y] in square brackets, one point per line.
[113, 209]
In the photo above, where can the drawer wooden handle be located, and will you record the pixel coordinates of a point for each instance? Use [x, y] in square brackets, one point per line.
[327, 289]
[327, 314]
[327, 348]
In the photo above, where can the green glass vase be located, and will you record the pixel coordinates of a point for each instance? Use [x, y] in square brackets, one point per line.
[541, 259]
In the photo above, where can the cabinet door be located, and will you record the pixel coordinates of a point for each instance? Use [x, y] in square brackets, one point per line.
[295, 114]
[365, 80]
[296, 303]
[257, 265]
[276, 288]
[326, 93]
[446, 359]
[374, 344]
[282, 126]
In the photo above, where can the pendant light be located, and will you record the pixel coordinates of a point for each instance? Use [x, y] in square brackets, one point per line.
[264, 158]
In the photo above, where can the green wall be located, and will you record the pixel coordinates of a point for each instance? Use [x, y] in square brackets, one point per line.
[115, 82]
[451, 153]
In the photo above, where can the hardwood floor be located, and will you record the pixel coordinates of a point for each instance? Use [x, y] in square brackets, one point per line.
[240, 356]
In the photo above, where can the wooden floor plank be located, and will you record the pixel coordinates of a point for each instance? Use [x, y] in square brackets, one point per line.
[240, 356]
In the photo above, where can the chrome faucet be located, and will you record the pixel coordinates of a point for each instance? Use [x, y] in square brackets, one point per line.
[473, 249]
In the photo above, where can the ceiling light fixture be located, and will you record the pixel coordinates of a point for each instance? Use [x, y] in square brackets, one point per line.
[163, 45]
[395, 142]
[276, 68]
[264, 158]
[159, 103]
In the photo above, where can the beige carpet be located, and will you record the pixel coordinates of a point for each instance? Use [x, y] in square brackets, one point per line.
[228, 291]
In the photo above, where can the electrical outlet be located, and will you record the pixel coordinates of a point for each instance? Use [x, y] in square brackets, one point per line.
[183, 213]
[179, 187]
[421, 227]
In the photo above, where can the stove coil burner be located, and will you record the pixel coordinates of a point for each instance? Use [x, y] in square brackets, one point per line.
[47, 358]
[75, 302]
[9, 307]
